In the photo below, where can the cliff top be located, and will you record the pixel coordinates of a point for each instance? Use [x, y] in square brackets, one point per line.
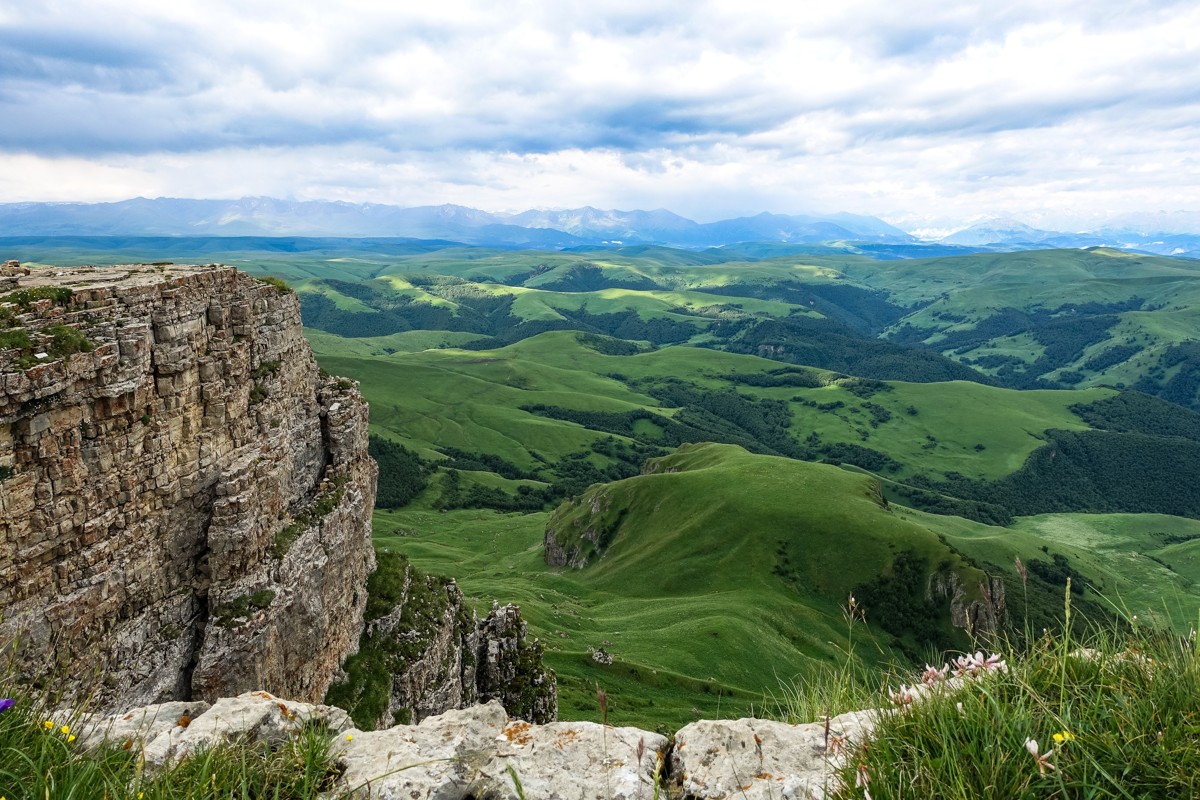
[86, 277]
[49, 314]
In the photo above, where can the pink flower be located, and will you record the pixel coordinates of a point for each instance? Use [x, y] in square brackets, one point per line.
[1043, 760]
[975, 664]
[932, 675]
[862, 779]
[904, 696]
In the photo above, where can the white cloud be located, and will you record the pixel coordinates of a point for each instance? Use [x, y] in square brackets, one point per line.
[711, 108]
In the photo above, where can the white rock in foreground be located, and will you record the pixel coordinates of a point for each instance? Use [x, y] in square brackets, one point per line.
[754, 759]
[468, 754]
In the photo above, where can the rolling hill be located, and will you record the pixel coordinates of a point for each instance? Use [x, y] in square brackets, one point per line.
[752, 433]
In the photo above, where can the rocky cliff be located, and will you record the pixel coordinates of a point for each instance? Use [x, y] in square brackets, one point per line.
[184, 498]
[424, 652]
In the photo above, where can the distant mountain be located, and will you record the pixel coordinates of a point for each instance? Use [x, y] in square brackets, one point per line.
[572, 228]
[1010, 234]
[622, 227]
[998, 232]
[265, 216]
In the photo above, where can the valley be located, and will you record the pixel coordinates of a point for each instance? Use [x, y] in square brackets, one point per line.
[737, 440]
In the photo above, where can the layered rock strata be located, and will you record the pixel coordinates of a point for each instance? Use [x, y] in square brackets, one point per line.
[184, 498]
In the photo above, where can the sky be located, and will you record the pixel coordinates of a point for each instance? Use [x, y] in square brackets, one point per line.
[927, 113]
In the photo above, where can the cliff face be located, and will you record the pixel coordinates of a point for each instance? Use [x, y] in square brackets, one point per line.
[184, 500]
[424, 652]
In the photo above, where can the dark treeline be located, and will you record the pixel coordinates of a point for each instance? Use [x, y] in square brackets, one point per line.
[570, 476]
[402, 475]
[585, 277]
[1094, 471]
[824, 344]
[1183, 385]
[1136, 412]
[1064, 333]
[866, 312]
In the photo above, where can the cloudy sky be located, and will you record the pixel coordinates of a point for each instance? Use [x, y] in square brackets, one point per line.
[922, 111]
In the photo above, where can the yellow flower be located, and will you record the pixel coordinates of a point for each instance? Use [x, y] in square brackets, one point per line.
[349, 738]
[1063, 736]
[70, 739]
[48, 725]
[64, 730]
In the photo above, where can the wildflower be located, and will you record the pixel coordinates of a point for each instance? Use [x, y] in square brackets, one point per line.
[1043, 760]
[349, 737]
[904, 697]
[6, 703]
[64, 730]
[932, 675]
[1063, 736]
[862, 779]
[70, 738]
[48, 725]
[975, 664]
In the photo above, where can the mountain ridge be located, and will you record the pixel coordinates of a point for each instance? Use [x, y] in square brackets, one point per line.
[551, 228]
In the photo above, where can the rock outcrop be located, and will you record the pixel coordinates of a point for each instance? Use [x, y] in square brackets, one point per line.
[428, 652]
[184, 498]
[480, 752]
[581, 529]
[982, 617]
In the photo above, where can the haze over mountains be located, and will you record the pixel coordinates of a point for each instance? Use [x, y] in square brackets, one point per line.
[554, 229]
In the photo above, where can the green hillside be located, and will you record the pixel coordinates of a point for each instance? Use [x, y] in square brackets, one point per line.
[734, 553]
[696, 578]
[734, 441]
[1034, 319]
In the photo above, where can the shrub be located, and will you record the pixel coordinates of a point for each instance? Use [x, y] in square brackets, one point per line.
[279, 284]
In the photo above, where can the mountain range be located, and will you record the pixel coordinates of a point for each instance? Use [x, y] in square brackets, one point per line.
[545, 229]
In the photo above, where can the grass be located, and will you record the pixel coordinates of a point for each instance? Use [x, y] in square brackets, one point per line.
[471, 400]
[679, 636]
[41, 758]
[1107, 715]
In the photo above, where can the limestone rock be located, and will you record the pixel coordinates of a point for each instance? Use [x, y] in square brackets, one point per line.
[469, 754]
[168, 732]
[253, 716]
[184, 499]
[441, 656]
[755, 759]
[140, 726]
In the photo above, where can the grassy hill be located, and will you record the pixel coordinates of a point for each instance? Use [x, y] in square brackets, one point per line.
[475, 400]
[735, 553]
[689, 585]
[1035, 319]
[524, 382]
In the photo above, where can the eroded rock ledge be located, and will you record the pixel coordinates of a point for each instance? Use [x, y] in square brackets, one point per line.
[479, 753]
[184, 498]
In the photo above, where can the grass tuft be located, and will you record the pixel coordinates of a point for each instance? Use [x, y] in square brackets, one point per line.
[1108, 715]
[40, 757]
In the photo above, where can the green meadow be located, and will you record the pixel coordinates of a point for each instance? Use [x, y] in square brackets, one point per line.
[974, 387]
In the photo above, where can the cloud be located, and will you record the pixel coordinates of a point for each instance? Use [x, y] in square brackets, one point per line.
[869, 105]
